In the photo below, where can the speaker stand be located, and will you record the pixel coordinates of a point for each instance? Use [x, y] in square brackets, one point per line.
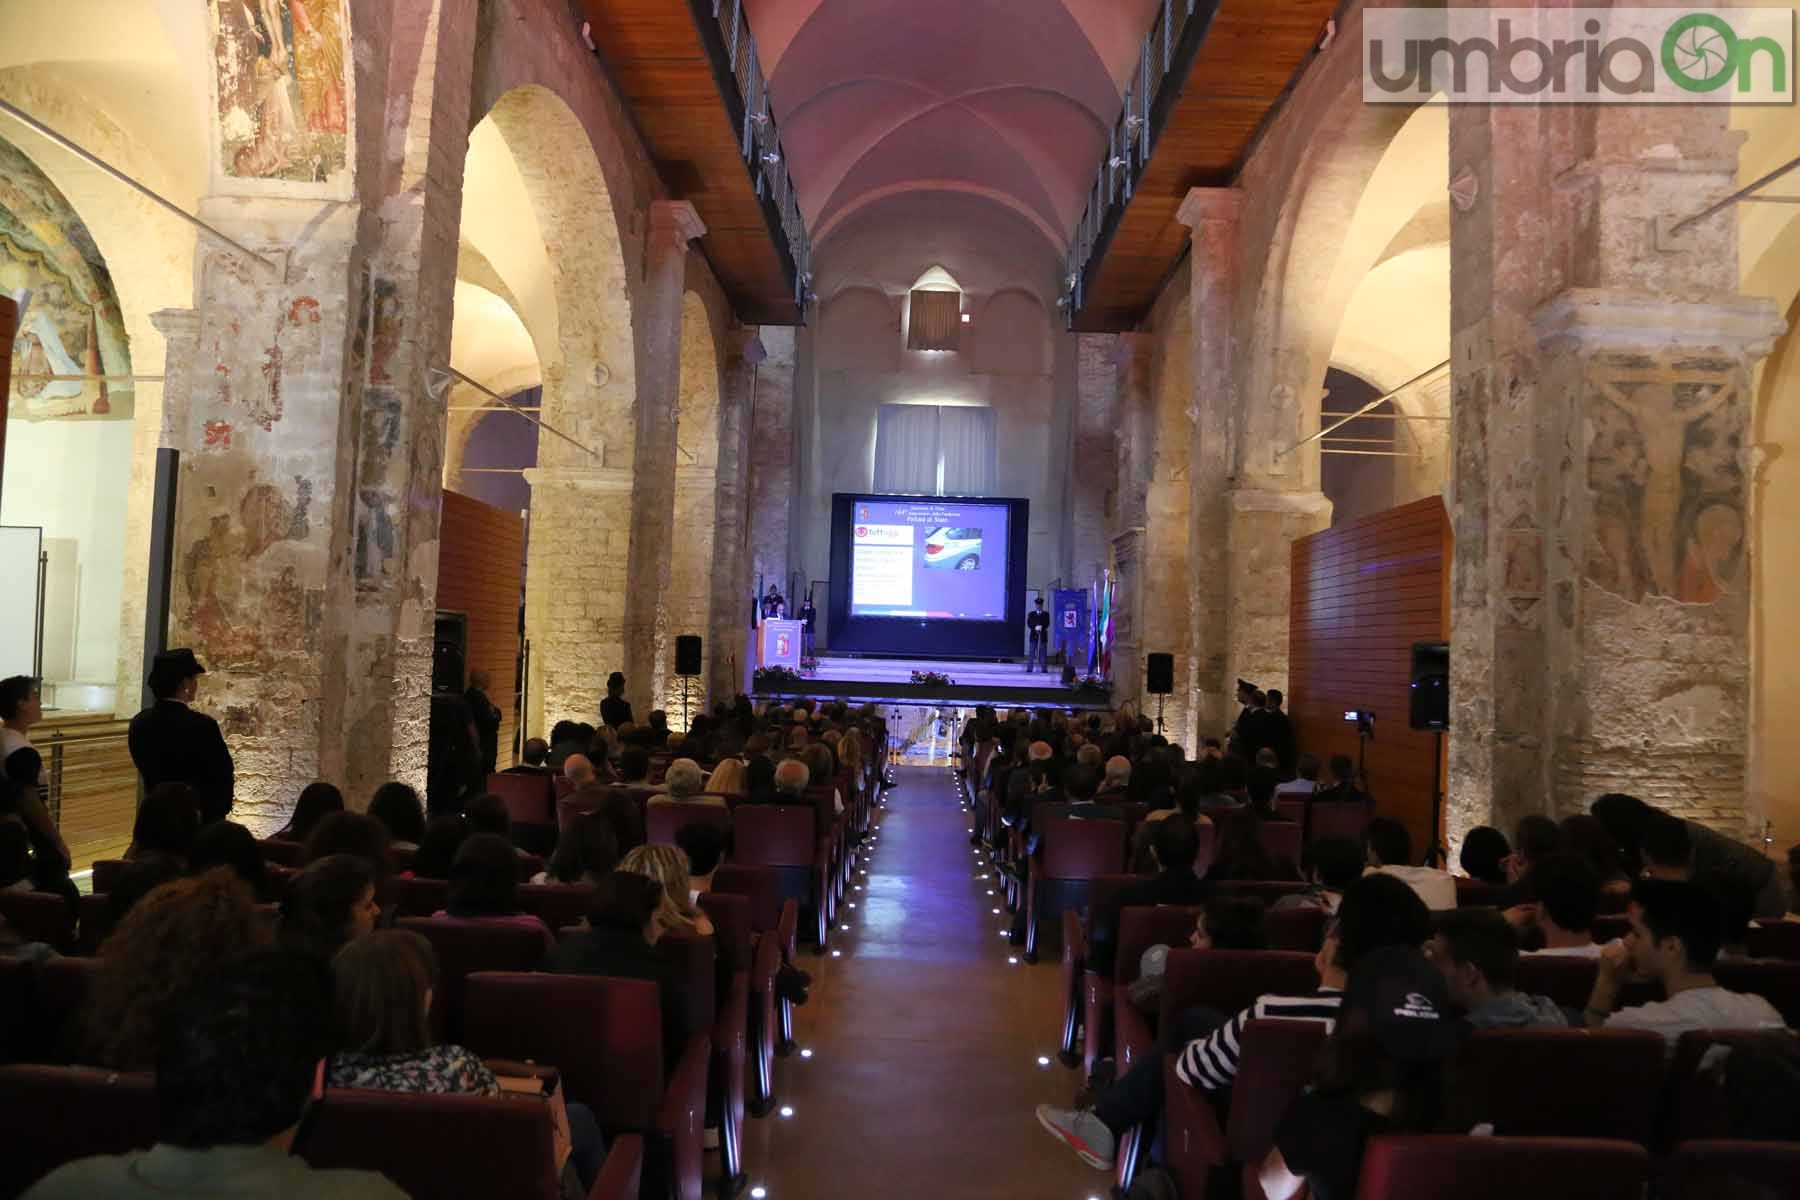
[1159, 711]
[1438, 855]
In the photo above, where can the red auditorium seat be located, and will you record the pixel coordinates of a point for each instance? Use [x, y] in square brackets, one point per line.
[55, 1115]
[1775, 980]
[1101, 912]
[275, 850]
[108, 872]
[1225, 980]
[1296, 929]
[1072, 854]
[605, 1037]
[1570, 981]
[40, 917]
[1501, 1168]
[1282, 841]
[464, 948]
[562, 785]
[663, 821]
[1266, 890]
[60, 988]
[96, 922]
[400, 858]
[1778, 939]
[557, 904]
[746, 1009]
[1473, 893]
[1731, 1170]
[416, 897]
[1590, 1083]
[530, 799]
[1139, 929]
[781, 836]
[1694, 1103]
[775, 921]
[1276, 1060]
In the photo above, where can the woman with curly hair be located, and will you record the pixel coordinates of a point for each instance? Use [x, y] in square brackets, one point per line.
[169, 938]
[668, 865]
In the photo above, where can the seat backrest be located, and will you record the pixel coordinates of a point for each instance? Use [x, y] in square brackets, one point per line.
[663, 821]
[1266, 890]
[96, 922]
[433, 1145]
[40, 917]
[1230, 980]
[561, 785]
[730, 916]
[55, 1115]
[1276, 1059]
[282, 851]
[603, 1034]
[1082, 849]
[1731, 1170]
[1695, 1105]
[529, 799]
[1501, 1168]
[1596, 1083]
[108, 872]
[1282, 840]
[400, 858]
[1341, 818]
[557, 904]
[1775, 980]
[1779, 939]
[774, 835]
[413, 897]
[693, 962]
[1473, 893]
[1569, 980]
[1295, 928]
[60, 991]
[1291, 808]
[465, 947]
[1141, 927]
[759, 885]
[1103, 900]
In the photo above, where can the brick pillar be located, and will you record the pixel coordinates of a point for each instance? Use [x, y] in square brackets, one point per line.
[1212, 214]
[772, 459]
[649, 637]
[1600, 487]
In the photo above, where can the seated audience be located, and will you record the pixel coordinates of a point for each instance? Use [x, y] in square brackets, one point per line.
[1674, 939]
[401, 813]
[1261, 784]
[685, 781]
[1652, 840]
[487, 813]
[1308, 778]
[237, 1059]
[634, 766]
[1382, 1072]
[351, 833]
[317, 801]
[1241, 854]
[166, 824]
[1339, 783]
[1330, 865]
[668, 865]
[586, 853]
[1533, 838]
[791, 779]
[1116, 786]
[624, 925]
[332, 901]
[704, 846]
[534, 759]
[1390, 852]
[484, 886]
[1377, 912]
[444, 835]
[1585, 835]
[228, 844]
[821, 772]
[1079, 784]
[138, 880]
[170, 938]
[1478, 952]
[1565, 896]
[1174, 848]
[729, 778]
[1484, 855]
[579, 770]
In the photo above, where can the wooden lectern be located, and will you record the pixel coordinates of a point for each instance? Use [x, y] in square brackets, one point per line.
[778, 643]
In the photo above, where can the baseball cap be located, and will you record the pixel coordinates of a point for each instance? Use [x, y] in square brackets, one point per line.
[1402, 999]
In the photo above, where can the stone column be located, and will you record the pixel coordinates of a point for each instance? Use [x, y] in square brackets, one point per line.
[1600, 588]
[1212, 214]
[1132, 357]
[772, 458]
[649, 639]
[1091, 479]
[729, 617]
[1426, 436]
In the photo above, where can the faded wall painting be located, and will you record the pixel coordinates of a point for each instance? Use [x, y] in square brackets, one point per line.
[73, 326]
[282, 70]
[1666, 446]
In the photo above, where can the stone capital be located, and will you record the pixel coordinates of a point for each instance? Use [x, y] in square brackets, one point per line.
[674, 223]
[177, 323]
[1612, 319]
[1268, 500]
[1208, 204]
[586, 479]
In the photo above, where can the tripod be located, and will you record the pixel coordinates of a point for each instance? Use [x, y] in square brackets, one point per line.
[1159, 711]
[1438, 855]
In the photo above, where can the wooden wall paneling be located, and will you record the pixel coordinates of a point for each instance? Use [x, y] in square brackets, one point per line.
[481, 566]
[1362, 594]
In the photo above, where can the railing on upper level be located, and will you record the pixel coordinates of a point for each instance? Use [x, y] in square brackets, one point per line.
[1164, 59]
[760, 141]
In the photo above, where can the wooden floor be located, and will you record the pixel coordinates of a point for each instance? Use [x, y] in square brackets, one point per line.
[925, 1041]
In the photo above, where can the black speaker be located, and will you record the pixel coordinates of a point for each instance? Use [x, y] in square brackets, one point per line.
[1161, 674]
[1430, 693]
[687, 654]
[450, 652]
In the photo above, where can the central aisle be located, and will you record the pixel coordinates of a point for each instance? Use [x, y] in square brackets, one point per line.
[925, 1041]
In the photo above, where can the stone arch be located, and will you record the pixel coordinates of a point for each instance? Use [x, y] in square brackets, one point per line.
[571, 290]
[696, 490]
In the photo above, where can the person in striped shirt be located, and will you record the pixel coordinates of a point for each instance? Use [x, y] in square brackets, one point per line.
[1377, 911]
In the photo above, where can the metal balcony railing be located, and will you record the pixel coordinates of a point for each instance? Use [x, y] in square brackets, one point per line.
[1164, 57]
[760, 141]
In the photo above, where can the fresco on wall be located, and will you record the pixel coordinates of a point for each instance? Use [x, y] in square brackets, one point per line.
[283, 88]
[74, 325]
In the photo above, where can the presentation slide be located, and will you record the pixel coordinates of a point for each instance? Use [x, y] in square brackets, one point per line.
[928, 558]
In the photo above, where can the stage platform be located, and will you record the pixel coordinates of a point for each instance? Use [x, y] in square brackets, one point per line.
[889, 681]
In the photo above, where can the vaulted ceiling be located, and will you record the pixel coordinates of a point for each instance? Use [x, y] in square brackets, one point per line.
[986, 116]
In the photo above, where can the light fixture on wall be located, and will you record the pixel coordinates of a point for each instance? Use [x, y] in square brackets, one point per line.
[966, 318]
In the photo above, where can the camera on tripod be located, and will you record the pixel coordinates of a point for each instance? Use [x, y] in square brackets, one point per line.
[1363, 719]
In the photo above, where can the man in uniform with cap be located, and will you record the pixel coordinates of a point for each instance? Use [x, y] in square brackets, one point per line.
[170, 742]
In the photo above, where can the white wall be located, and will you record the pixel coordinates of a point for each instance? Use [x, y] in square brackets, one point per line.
[72, 477]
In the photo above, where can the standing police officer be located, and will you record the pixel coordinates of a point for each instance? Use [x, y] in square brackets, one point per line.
[170, 742]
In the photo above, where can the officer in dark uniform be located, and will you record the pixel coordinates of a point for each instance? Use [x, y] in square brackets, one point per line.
[809, 616]
[1037, 624]
[170, 742]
